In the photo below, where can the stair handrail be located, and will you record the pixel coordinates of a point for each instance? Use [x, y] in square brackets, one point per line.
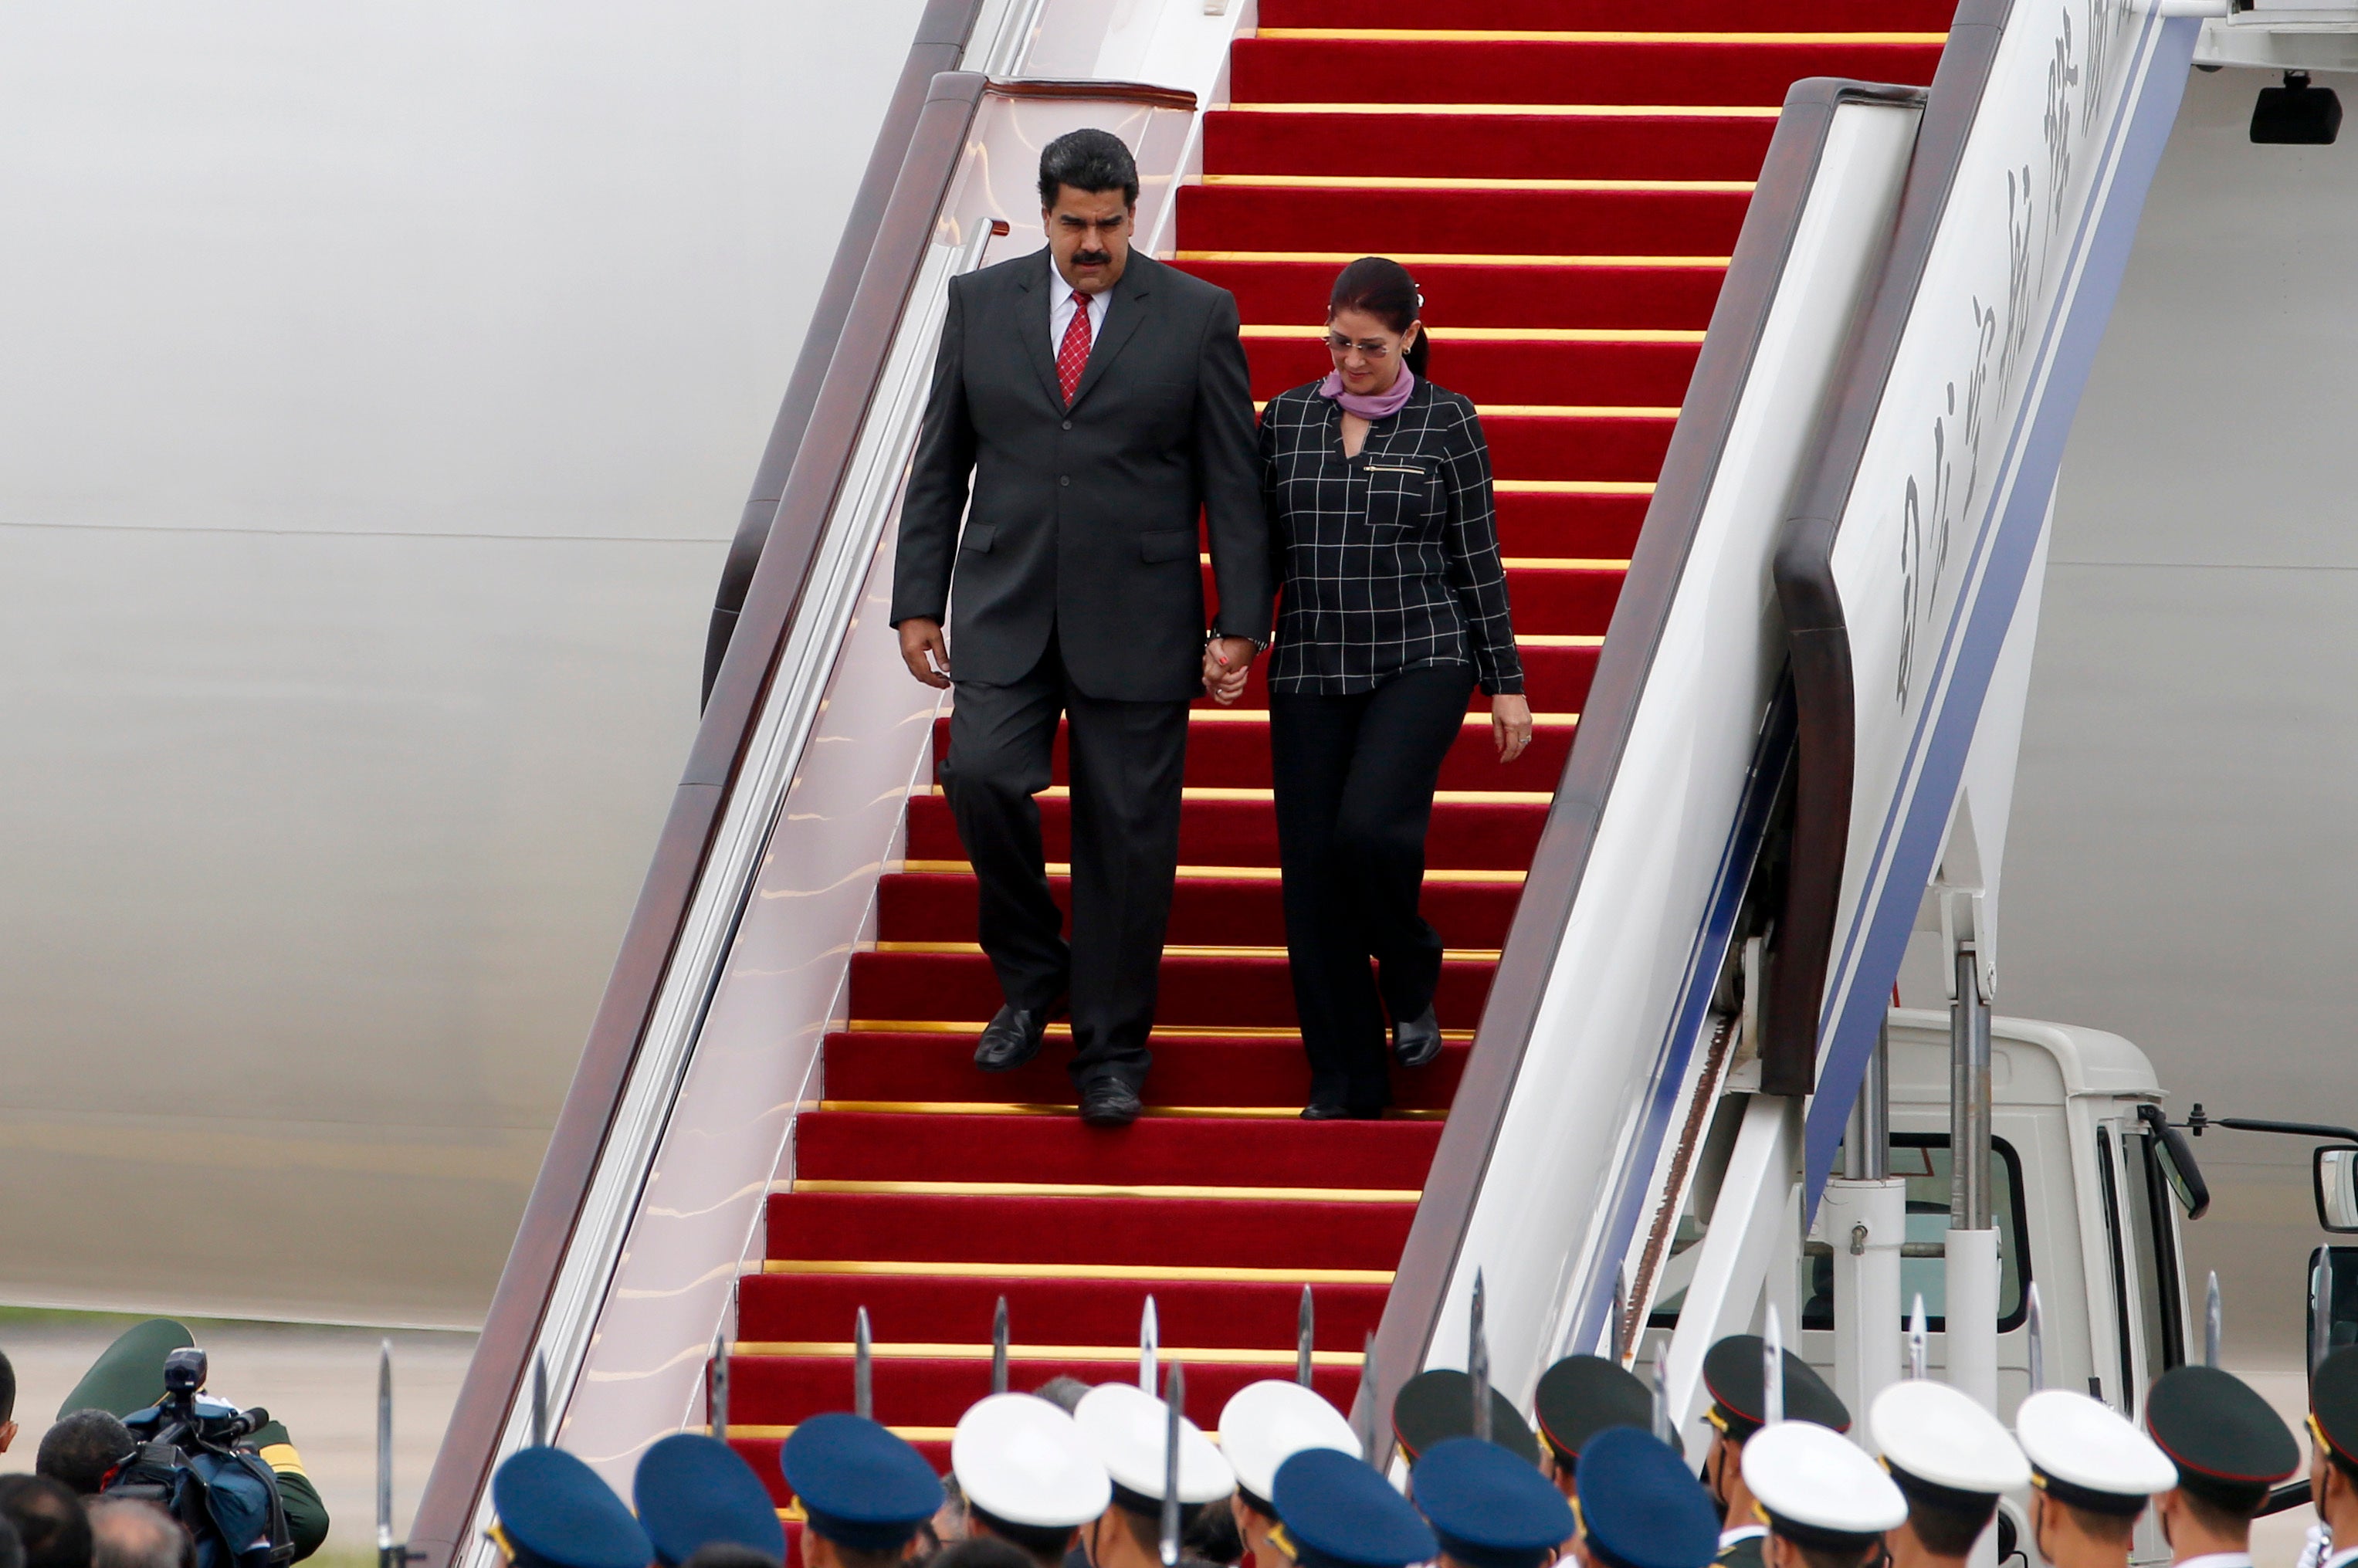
[1431, 1258]
[669, 906]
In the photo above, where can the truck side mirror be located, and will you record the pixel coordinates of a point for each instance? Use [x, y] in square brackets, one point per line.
[2336, 1172]
[2177, 1164]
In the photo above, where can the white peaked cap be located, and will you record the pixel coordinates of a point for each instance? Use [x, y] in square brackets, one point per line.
[1267, 1422]
[1020, 1458]
[1124, 1425]
[1938, 1433]
[1816, 1477]
[2080, 1443]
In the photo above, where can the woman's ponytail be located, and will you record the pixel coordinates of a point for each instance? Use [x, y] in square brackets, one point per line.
[1382, 287]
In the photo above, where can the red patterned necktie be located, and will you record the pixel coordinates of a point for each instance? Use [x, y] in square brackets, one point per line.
[1073, 356]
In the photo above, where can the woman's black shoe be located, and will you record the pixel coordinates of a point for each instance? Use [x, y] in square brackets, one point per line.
[1417, 1041]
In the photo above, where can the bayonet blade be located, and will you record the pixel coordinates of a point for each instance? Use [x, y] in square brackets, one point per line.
[1918, 1339]
[1665, 1427]
[1477, 1365]
[1150, 1345]
[1305, 1337]
[1371, 1433]
[1175, 1398]
[999, 1348]
[2035, 1321]
[716, 1397]
[863, 1368]
[540, 1399]
[2211, 1323]
[1772, 1371]
[384, 1454]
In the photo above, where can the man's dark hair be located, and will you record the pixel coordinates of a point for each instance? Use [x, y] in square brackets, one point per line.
[1947, 1520]
[1146, 1529]
[127, 1532]
[50, 1519]
[980, 1551]
[81, 1448]
[1044, 1543]
[11, 1550]
[7, 1389]
[711, 1554]
[1837, 1556]
[1087, 159]
[1214, 1537]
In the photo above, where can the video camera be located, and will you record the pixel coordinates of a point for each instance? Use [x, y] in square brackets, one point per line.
[193, 1462]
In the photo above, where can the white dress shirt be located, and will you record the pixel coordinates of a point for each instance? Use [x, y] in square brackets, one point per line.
[2215, 1560]
[1061, 295]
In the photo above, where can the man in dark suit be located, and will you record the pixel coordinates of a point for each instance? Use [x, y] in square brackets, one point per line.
[1097, 402]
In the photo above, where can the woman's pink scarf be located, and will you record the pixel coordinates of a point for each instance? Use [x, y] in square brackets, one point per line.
[1380, 406]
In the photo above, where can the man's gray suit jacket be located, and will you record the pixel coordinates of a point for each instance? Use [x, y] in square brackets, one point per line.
[1084, 519]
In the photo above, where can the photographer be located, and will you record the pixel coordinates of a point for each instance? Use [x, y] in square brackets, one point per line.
[127, 1379]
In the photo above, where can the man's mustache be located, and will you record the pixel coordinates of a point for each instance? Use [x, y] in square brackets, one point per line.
[1091, 258]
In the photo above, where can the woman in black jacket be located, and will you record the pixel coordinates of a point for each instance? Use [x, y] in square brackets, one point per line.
[1395, 606]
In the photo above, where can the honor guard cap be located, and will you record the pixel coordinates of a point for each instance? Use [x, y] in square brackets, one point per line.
[860, 1485]
[1818, 1489]
[2228, 1446]
[691, 1490]
[2334, 1407]
[1732, 1370]
[1581, 1395]
[1935, 1436]
[1640, 1506]
[1021, 1459]
[1490, 1508]
[554, 1512]
[1338, 1512]
[1433, 1406]
[128, 1374]
[1127, 1427]
[1267, 1422]
[2083, 1454]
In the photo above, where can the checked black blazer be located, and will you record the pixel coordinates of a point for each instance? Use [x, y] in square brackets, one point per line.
[1084, 519]
[1388, 560]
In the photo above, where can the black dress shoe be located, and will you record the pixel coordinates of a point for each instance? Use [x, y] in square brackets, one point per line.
[1417, 1041]
[1011, 1038]
[1326, 1111]
[1109, 1102]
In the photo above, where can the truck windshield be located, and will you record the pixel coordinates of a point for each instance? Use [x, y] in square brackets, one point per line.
[1923, 1158]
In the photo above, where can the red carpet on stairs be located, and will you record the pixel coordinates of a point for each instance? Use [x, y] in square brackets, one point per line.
[1567, 190]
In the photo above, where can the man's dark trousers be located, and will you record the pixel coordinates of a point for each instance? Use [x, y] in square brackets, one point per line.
[1074, 587]
[1126, 759]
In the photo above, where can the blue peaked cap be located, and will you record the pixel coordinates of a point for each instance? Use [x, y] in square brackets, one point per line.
[1340, 1513]
[556, 1513]
[860, 1486]
[1640, 1506]
[1491, 1508]
[691, 1490]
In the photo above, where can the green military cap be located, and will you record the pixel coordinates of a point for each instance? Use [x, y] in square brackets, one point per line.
[2334, 1407]
[1581, 1395]
[129, 1374]
[2228, 1446]
[1733, 1371]
[1439, 1404]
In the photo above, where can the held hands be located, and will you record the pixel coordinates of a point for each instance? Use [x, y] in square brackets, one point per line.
[1510, 725]
[1226, 661]
[918, 639]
